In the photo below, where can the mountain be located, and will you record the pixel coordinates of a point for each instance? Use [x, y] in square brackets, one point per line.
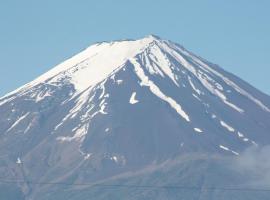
[132, 119]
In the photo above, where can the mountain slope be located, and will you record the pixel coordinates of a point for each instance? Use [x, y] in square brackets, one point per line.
[123, 107]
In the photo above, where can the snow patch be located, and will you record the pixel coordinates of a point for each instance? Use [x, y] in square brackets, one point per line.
[196, 97]
[19, 161]
[98, 62]
[240, 134]
[227, 149]
[102, 106]
[42, 96]
[211, 85]
[227, 81]
[224, 148]
[78, 136]
[4, 100]
[193, 86]
[81, 101]
[114, 158]
[102, 109]
[29, 126]
[225, 125]
[103, 91]
[198, 130]
[87, 156]
[18, 121]
[119, 82]
[133, 99]
[161, 62]
[254, 143]
[213, 116]
[145, 81]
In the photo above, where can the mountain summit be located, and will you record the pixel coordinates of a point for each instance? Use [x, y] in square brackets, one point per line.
[129, 112]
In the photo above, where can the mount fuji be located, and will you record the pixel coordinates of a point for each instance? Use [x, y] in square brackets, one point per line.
[132, 119]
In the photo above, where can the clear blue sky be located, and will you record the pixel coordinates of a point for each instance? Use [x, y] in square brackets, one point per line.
[35, 35]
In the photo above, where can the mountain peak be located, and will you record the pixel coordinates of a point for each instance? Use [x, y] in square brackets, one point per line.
[96, 62]
[153, 37]
[125, 108]
[101, 60]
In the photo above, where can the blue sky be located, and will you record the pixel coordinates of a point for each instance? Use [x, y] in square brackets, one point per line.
[35, 35]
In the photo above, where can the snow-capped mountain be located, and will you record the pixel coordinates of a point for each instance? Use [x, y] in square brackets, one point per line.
[132, 111]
